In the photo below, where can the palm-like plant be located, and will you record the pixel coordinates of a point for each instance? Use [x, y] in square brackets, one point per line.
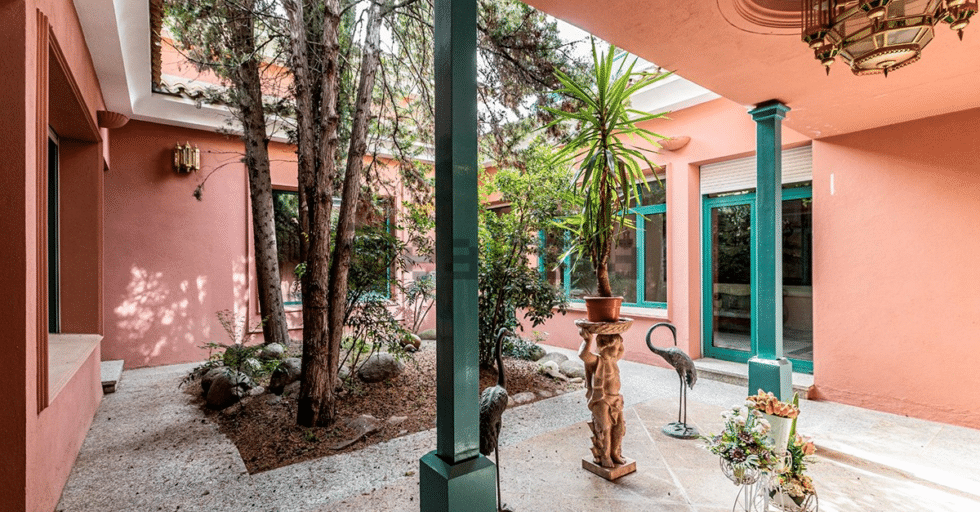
[610, 170]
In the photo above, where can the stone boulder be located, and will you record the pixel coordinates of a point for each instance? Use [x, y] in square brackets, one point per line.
[551, 369]
[209, 377]
[411, 342]
[227, 388]
[284, 375]
[272, 351]
[380, 367]
[536, 352]
[521, 398]
[363, 425]
[553, 356]
[428, 334]
[292, 390]
[572, 368]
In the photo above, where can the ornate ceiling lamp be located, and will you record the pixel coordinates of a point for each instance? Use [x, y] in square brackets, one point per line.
[878, 36]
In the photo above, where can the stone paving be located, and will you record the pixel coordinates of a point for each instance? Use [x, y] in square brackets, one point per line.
[148, 449]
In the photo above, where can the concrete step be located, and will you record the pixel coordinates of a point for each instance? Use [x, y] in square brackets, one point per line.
[111, 373]
[731, 372]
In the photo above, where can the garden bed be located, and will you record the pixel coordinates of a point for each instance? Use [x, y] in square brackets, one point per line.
[264, 427]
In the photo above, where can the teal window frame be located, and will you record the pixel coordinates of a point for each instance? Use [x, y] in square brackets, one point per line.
[707, 307]
[641, 212]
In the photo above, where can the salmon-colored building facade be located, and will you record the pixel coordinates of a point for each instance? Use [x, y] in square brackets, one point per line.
[889, 303]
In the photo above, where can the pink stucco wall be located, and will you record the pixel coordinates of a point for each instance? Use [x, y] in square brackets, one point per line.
[39, 441]
[896, 302]
[173, 261]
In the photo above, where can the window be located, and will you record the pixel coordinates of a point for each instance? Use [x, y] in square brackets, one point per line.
[285, 205]
[54, 258]
[638, 263]
[288, 236]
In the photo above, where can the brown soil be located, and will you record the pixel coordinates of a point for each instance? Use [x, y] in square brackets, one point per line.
[267, 436]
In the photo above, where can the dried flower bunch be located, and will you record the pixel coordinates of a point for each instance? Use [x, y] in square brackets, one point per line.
[769, 404]
[794, 482]
[744, 442]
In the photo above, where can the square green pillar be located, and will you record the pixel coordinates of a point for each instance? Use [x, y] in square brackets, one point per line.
[768, 369]
[455, 477]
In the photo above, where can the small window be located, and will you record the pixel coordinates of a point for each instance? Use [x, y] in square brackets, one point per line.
[638, 263]
[54, 256]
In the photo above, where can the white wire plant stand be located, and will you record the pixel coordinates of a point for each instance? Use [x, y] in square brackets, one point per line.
[759, 491]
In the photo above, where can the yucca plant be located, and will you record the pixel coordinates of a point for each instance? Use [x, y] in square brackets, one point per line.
[610, 163]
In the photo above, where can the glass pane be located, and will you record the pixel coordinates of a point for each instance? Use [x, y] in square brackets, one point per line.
[798, 279]
[656, 195]
[655, 258]
[582, 279]
[731, 263]
[553, 249]
[285, 205]
[622, 263]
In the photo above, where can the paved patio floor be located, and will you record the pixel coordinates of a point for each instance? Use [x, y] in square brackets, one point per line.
[148, 449]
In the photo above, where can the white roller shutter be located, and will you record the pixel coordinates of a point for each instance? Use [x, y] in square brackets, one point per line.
[739, 174]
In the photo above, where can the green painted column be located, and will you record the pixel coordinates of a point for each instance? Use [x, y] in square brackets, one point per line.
[455, 477]
[768, 369]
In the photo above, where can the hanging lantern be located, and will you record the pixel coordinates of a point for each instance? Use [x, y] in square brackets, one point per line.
[187, 158]
[958, 14]
[878, 36]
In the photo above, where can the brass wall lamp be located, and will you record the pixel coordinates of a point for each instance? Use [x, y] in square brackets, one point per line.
[187, 158]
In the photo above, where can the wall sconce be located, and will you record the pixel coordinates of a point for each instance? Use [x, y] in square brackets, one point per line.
[187, 158]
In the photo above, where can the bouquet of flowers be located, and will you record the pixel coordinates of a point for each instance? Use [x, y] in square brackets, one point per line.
[769, 404]
[796, 490]
[743, 445]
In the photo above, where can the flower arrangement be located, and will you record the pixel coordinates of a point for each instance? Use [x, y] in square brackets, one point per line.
[744, 444]
[769, 404]
[794, 484]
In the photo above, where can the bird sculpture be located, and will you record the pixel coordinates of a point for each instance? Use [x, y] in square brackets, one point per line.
[493, 402]
[688, 375]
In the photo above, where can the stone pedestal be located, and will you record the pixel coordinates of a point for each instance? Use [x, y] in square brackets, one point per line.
[603, 383]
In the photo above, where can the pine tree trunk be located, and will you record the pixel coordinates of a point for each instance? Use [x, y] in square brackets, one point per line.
[316, 404]
[340, 264]
[249, 85]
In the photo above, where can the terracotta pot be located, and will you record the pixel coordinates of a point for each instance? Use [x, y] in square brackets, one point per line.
[603, 309]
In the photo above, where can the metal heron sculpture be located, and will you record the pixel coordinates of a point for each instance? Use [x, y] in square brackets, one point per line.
[688, 375]
[493, 402]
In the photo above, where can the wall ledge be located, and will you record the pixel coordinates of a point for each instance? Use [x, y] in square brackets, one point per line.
[66, 354]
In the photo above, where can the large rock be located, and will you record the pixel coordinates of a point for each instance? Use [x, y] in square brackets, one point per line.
[411, 342]
[273, 351]
[380, 367]
[288, 372]
[572, 368]
[209, 377]
[553, 356]
[363, 425]
[551, 369]
[227, 388]
[521, 399]
[428, 334]
[536, 352]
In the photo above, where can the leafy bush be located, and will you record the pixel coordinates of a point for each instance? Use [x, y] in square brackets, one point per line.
[371, 323]
[537, 193]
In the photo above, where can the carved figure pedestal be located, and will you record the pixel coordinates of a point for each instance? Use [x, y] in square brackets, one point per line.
[602, 383]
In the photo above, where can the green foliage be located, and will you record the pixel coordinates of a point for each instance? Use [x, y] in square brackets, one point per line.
[521, 348]
[508, 281]
[420, 296]
[610, 171]
[370, 324]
